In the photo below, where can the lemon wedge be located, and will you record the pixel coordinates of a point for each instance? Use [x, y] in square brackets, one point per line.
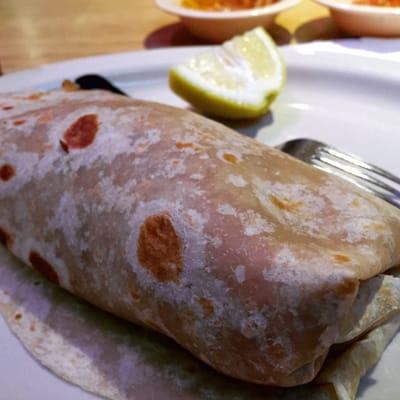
[236, 80]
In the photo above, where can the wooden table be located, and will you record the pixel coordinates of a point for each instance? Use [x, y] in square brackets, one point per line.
[35, 32]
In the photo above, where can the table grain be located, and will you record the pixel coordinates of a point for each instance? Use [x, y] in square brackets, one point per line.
[36, 32]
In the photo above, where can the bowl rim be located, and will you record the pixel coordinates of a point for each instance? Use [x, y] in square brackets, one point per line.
[172, 7]
[359, 8]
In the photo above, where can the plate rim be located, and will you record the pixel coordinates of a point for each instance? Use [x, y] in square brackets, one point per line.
[383, 65]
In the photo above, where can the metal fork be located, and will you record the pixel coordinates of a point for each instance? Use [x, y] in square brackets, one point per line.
[367, 176]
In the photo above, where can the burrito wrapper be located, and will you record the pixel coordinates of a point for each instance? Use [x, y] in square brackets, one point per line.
[117, 360]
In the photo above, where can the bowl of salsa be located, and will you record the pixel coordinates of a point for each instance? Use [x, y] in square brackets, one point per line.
[379, 18]
[220, 20]
[226, 5]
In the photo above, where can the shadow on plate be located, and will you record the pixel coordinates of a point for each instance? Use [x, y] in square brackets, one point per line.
[280, 34]
[318, 29]
[366, 382]
[177, 35]
[171, 35]
[246, 127]
[250, 127]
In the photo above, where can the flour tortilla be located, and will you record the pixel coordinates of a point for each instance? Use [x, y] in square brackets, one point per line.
[120, 361]
[246, 257]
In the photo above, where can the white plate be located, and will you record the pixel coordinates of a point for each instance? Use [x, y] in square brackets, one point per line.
[335, 92]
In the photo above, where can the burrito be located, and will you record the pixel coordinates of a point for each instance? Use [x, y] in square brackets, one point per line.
[256, 263]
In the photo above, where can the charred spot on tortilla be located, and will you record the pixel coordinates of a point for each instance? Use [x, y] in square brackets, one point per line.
[64, 146]
[81, 133]
[18, 122]
[285, 204]
[43, 267]
[5, 238]
[6, 108]
[159, 248]
[35, 96]
[231, 158]
[17, 316]
[341, 258]
[276, 350]
[183, 145]
[188, 145]
[355, 203]
[135, 293]
[207, 306]
[346, 287]
[7, 171]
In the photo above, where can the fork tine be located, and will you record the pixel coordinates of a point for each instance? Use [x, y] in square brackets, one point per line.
[339, 172]
[390, 198]
[359, 174]
[367, 176]
[352, 159]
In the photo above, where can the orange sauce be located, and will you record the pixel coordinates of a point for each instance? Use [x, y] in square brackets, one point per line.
[226, 5]
[381, 3]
